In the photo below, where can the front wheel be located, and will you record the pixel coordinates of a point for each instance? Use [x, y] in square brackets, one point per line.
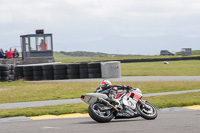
[96, 113]
[149, 113]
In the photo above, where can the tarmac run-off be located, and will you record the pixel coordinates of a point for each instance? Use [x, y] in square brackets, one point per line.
[78, 115]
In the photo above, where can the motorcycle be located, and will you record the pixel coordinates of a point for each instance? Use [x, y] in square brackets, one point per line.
[126, 103]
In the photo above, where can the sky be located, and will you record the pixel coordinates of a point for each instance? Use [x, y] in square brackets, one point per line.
[110, 26]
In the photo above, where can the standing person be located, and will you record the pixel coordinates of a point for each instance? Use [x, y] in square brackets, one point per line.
[9, 54]
[15, 53]
[43, 45]
[1, 53]
[5, 53]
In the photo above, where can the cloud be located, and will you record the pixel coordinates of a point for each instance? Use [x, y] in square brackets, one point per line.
[98, 9]
[86, 21]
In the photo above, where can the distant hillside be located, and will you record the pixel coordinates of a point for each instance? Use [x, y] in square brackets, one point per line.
[82, 56]
[93, 54]
[85, 54]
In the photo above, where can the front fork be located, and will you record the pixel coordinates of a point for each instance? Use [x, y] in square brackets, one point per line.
[143, 104]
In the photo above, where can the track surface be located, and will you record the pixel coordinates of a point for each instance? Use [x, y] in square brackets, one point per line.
[167, 122]
[170, 121]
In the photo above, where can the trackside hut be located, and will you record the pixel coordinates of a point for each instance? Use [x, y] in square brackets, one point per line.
[37, 45]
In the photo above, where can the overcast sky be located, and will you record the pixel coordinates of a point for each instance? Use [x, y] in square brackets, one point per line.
[109, 26]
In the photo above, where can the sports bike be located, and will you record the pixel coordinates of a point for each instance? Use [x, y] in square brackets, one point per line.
[125, 103]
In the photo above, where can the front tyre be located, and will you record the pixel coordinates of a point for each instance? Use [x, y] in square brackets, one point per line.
[96, 113]
[149, 113]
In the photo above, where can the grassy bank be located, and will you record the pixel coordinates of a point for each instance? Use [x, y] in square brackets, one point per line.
[20, 91]
[174, 68]
[177, 100]
[75, 57]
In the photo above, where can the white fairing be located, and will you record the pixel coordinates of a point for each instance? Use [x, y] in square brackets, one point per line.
[129, 102]
[132, 102]
[138, 91]
[91, 98]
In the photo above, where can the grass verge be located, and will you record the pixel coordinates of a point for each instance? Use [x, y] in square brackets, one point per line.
[20, 91]
[59, 57]
[174, 68]
[178, 100]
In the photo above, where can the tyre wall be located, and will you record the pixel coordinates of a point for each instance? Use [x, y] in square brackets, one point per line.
[18, 73]
[83, 70]
[48, 72]
[60, 71]
[7, 73]
[72, 71]
[28, 73]
[94, 70]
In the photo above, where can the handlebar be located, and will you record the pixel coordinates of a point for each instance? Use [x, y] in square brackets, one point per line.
[122, 87]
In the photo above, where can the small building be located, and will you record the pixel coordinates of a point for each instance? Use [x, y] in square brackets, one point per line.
[167, 52]
[186, 51]
[37, 48]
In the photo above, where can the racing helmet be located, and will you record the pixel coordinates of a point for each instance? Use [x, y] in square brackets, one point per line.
[105, 84]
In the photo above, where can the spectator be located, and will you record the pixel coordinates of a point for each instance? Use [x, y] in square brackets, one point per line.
[9, 54]
[15, 53]
[5, 54]
[1, 53]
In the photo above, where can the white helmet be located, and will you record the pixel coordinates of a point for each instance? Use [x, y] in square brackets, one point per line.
[105, 84]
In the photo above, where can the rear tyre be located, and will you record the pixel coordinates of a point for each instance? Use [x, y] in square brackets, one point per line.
[98, 115]
[148, 114]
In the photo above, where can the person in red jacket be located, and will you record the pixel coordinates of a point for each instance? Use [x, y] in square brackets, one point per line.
[9, 54]
[43, 45]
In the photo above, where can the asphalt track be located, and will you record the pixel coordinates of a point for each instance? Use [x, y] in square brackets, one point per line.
[182, 121]
[171, 120]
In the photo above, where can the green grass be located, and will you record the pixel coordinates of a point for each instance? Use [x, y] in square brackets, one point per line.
[20, 91]
[174, 68]
[178, 100]
[46, 110]
[59, 57]
[196, 52]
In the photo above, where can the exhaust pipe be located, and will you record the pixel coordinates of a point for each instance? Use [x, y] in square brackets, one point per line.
[107, 103]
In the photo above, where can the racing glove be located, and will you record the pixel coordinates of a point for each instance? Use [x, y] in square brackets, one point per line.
[127, 87]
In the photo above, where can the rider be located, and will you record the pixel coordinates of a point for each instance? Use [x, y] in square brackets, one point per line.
[107, 88]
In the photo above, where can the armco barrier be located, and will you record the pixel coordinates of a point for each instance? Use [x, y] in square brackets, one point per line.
[158, 59]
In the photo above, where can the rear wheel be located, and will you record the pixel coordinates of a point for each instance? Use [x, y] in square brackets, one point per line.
[96, 113]
[148, 113]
